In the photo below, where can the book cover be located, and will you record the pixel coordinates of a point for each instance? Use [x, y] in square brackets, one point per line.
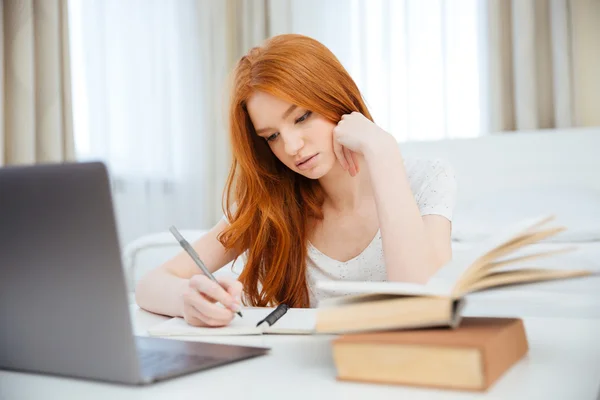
[471, 357]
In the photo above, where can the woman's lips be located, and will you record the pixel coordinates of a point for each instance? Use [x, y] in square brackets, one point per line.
[308, 163]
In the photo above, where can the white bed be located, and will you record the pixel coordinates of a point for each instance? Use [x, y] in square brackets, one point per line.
[506, 177]
[501, 178]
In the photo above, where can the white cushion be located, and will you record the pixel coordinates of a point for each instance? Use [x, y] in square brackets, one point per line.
[152, 250]
[577, 209]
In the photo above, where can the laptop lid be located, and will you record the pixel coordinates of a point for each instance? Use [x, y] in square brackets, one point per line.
[62, 288]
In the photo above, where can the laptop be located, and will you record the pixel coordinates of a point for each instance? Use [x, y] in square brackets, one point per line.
[63, 298]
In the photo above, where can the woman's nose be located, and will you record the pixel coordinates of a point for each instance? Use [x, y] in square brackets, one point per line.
[293, 143]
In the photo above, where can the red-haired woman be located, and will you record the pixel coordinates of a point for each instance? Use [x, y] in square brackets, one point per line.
[316, 191]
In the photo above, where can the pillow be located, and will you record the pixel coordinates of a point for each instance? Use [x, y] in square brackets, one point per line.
[577, 209]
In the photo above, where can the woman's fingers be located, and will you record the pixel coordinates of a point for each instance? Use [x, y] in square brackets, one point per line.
[346, 158]
[338, 149]
[233, 287]
[198, 307]
[213, 290]
[351, 161]
[355, 161]
[215, 321]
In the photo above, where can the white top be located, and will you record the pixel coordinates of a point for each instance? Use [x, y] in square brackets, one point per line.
[433, 185]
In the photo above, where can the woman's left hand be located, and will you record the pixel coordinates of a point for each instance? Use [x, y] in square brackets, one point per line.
[355, 133]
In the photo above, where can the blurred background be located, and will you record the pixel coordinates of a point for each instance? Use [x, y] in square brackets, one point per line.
[142, 84]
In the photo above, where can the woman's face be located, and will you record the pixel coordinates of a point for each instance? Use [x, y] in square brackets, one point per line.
[299, 138]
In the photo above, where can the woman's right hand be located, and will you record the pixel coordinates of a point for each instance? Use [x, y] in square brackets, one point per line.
[200, 307]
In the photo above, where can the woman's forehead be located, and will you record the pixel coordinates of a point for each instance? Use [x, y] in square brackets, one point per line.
[259, 99]
[267, 109]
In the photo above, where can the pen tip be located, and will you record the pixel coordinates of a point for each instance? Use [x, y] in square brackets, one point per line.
[240, 314]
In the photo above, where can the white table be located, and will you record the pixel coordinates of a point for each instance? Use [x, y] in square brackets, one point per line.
[563, 363]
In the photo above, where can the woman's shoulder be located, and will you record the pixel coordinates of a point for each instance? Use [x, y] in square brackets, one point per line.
[433, 183]
[421, 169]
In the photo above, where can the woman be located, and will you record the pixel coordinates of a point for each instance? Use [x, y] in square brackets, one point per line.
[316, 191]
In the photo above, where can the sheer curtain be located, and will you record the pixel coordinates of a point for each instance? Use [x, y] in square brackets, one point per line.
[417, 62]
[148, 83]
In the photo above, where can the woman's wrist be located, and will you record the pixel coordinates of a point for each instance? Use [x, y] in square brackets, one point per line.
[379, 148]
[182, 288]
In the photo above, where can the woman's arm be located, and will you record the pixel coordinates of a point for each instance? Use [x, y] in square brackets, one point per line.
[161, 290]
[414, 246]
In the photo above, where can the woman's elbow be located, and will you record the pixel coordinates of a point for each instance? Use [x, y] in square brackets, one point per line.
[143, 289]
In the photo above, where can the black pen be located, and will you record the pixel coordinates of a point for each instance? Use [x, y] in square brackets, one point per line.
[190, 250]
[274, 316]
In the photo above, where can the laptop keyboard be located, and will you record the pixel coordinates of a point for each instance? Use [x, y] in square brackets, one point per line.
[159, 364]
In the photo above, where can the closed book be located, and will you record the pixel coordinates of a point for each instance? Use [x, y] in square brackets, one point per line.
[472, 356]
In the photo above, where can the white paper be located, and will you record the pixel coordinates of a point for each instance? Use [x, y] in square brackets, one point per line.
[295, 321]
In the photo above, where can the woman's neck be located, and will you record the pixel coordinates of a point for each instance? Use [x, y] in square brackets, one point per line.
[344, 193]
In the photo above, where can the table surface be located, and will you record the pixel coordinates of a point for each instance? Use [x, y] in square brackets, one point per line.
[563, 362]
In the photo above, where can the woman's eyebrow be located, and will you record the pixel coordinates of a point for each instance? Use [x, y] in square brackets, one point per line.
[284, 116]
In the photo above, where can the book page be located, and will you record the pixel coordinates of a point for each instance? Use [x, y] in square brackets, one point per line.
[358, 298]
[521, 260]
[448, 277]
[295, 321]
[522, 242]
[455, 276]
[528, 254]
[522, 276]
[363, 288]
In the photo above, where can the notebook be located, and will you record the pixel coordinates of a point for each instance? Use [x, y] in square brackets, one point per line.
[296, 321]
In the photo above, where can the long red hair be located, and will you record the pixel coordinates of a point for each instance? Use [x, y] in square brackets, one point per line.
[273, 204]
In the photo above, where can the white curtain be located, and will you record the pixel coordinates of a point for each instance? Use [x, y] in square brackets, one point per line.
[461, 68]
[417, 62]
[148, 82]
[149, 86]
[150, 92]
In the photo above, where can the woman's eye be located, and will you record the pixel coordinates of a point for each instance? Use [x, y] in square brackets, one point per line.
[272, 137]
[304, 117]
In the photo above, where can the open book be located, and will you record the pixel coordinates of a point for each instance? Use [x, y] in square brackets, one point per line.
[295, 321]
[375, 306]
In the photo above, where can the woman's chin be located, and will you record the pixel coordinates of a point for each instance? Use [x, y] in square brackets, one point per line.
[322, 167]
[317, 172]
[314, 173]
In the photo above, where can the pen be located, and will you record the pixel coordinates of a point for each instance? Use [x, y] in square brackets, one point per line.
[190, 250]
[274, 316]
